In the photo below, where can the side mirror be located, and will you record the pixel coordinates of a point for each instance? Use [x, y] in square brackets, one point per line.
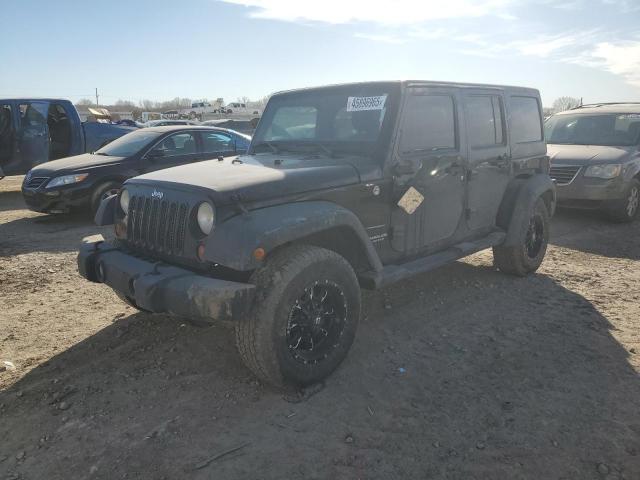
[407, 167]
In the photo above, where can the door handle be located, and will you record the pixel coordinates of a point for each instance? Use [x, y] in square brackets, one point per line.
[455, 169]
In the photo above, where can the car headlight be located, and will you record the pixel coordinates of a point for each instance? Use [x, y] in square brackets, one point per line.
[603, 171]
[66, 180]
[205, 217]
[124, 201]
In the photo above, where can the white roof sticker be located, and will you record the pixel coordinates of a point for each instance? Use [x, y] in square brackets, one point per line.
[357, 104]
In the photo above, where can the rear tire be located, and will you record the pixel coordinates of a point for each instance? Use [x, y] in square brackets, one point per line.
[626, 209]
[527, 255]
[103, 191]
[304, 318]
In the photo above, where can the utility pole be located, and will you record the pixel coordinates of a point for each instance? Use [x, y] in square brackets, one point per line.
[97, 104]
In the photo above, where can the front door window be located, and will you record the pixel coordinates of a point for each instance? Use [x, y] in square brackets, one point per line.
[7, 134]
[34, 133]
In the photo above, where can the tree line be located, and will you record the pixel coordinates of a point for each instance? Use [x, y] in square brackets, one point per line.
[177, 103]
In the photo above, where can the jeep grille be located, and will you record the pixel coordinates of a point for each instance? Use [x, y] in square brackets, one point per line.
[157, 225]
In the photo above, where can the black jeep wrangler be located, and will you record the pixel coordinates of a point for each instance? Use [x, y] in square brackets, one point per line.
[343, 187]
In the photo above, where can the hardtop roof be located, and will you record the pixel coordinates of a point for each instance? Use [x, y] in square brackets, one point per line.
[413, 83]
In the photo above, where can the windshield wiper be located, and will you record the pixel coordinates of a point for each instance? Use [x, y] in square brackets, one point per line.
[324, 148]
[101, 153]
[318, 145]
[270, 145]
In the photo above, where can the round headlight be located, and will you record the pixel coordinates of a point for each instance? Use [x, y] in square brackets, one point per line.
[124, 201]
[205, 217]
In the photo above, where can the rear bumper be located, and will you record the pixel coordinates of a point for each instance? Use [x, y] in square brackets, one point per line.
[162, 288]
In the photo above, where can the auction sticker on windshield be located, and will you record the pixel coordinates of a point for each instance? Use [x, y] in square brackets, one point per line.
[357, 104]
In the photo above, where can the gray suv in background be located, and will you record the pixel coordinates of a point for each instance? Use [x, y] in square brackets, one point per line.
[595, 158]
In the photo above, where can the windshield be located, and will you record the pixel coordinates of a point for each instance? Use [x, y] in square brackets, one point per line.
[348, 119]
[613, 129]
[128, 144]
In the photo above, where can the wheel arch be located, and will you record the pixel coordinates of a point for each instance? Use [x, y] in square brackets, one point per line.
[519, 198]
[319, 223]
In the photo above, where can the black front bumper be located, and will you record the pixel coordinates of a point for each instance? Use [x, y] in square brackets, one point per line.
[161, 288]
[56, 200]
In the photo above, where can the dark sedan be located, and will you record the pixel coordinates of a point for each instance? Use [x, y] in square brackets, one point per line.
[595, 158]
[82, 181]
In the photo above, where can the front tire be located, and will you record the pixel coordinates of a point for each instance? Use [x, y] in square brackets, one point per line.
[626, 210]
[304, 318]
[527, 256]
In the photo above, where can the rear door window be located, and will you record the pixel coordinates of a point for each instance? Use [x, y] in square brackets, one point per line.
[525, 120]
[484, 120]
[429, 124]
[217, 142]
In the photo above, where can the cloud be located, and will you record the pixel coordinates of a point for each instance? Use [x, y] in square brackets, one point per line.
[403, 21]
[382, 12]
[621, 58]
[383, 38]
[544, 46]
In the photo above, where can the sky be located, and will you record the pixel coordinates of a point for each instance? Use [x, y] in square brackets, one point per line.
[160, 49]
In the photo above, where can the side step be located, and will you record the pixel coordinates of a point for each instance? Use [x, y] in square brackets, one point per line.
[394, 273]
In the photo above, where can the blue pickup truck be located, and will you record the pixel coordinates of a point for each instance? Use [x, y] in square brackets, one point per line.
[34, 131]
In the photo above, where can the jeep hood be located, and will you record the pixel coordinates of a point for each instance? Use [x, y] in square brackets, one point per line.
[251, 178]
[587, 154]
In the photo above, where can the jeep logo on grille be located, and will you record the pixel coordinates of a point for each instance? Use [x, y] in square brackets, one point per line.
[157, 194]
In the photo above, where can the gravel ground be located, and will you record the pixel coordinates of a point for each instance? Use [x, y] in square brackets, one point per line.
[462, 373]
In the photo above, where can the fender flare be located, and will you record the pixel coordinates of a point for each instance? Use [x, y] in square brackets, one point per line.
[518, 202]
[105, 215]
[233, 242]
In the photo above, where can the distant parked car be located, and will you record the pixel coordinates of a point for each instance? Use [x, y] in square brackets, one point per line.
[167, 122]
[235, 107]
[244, 126]
[34, 131]
[82, 181]
[595, 158]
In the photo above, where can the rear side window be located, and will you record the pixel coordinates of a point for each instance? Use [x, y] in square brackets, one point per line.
[429, 124]
[217, 142]
[525, 120]
[484, 120]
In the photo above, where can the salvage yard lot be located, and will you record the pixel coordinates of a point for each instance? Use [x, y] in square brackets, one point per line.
[461, 373]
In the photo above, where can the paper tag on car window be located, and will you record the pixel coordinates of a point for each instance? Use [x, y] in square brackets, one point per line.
[359, 104]
[411, 200]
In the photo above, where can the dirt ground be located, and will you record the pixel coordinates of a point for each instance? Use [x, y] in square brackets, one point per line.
[463, 373]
